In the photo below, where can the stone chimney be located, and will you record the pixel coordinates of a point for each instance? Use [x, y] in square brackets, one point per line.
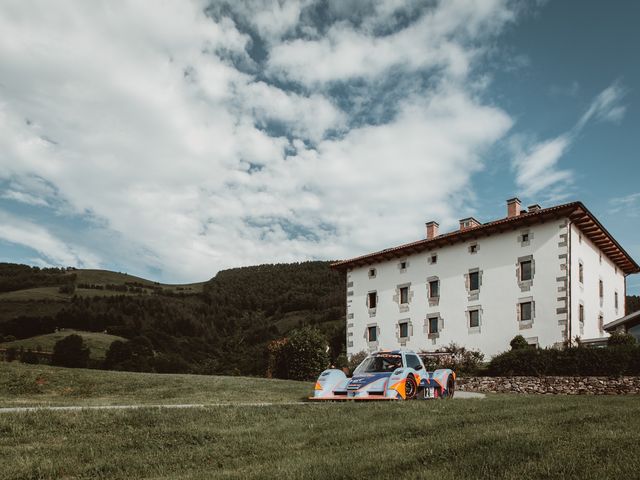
[513, 207]
[467, 223]
[432, 230]
[534, 208]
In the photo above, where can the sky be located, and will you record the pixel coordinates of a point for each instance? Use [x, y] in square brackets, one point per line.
[174, 139]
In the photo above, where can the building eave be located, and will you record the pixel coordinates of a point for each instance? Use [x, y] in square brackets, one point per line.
[631, 318]
[575, 211]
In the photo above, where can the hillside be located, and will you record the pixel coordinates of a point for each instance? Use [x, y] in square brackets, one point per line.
[98, 342]
[220, 326]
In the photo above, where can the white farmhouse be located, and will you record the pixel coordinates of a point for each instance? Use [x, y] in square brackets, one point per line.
[548, 274]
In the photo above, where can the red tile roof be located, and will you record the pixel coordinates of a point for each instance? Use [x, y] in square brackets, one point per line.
[575, 211]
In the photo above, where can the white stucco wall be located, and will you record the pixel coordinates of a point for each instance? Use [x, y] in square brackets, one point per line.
[597, 266]
[497, 258]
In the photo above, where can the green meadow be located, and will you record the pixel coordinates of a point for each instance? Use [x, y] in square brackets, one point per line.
[499, 437]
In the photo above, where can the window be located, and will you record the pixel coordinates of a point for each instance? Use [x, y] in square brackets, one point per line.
[404, 330]
[601, 323]
[404, 295]
[372, 334]
[525, 271]
[615, 300]
[373, 299]
[434, 288]
[413, 362]
[372, 273]
[581, 272]
[581, 314]
[434, 258]
[473, 248]
[601, 288]
[525, 237]
[526, 312]
[433, 325]
[474, 281]
[403, 265]
[474, 318]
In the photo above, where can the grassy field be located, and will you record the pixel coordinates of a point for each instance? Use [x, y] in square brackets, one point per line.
[27, 385]
[39, 293]
[500, 437]
[105, 277]
[98, 342]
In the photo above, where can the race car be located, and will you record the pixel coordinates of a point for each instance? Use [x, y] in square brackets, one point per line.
[386, 375]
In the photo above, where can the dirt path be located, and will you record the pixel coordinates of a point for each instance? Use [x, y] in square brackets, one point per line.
[71, 408]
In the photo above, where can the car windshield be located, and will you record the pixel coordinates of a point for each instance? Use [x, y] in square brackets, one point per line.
[379, 363]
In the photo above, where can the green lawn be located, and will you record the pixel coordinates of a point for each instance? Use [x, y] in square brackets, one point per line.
[39, 293]
[500, 437]
[26, 385]
[98, 342]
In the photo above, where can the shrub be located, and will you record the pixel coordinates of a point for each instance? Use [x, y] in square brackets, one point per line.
[135, 355]
[70, 352]
[171, 363]
[69, 288]
[610, 361]
[356, 359]
[277, 363]
[342, 361]
[11, 354]
[518, 343]
[620, 338]
[118, 353]
[30, 357]
[301, 356]
[459, 359]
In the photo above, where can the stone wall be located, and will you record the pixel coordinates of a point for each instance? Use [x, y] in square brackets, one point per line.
[551, 385]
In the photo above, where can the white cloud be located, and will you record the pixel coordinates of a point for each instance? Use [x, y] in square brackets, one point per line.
[628, 204]
[605, 107]
[437, 40]
[182, 153]
[25, 233]
[536, 163]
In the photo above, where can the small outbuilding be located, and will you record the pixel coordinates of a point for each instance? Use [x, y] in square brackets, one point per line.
[627, 324]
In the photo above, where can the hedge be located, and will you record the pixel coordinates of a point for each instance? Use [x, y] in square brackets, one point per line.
[609, 361]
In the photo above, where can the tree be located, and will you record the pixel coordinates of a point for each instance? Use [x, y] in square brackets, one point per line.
[619, 338]
[118, 353]
[518, 342]
[70, 352]
[301, 356]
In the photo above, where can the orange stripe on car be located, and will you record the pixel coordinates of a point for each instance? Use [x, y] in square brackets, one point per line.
[400, 387]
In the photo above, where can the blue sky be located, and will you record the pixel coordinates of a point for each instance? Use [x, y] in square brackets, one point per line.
[205, 135]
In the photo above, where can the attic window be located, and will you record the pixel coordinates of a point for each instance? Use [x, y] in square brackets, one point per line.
[372, 273]
[403, 265]
[525, 237]
[434, 258]
[473, 248]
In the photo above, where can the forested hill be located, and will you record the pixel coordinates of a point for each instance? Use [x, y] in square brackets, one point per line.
[633, 303]
[221, 326]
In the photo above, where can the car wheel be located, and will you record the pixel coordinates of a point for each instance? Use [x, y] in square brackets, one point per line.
[451, 387]
[410, 388]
